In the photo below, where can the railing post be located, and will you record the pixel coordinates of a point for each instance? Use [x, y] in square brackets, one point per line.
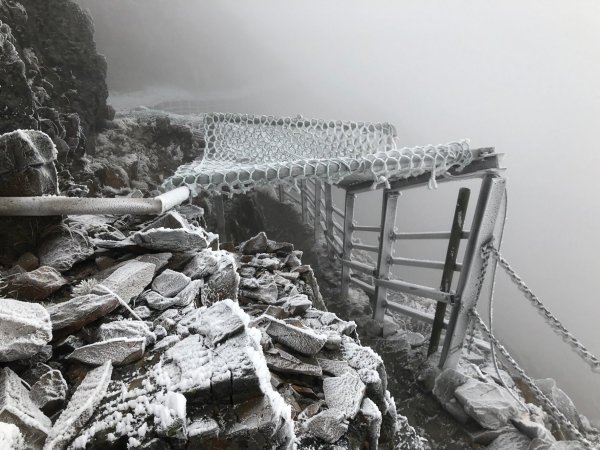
[220, 213]
[482, 230]
[388, 220]
[281, 193]
[303, 200]
[347, 247]
[329, 219]
[317, 207]
[449, 265]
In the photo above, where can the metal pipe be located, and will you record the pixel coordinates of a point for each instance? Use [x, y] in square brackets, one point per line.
[416, 289]
[414, 313]
[374, 229]
[429, 235]
[367, 248]
[360, 267]
[424, 263]
[362, 285]
[59, 206]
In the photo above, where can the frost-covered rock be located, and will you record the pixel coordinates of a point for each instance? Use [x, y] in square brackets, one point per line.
[513, 440]
[203, 264]
[170, 283]
[173, 240]
[221, 321]
[445, 385]
[49, 393]
[329, 425]
[16, 407]
[128, 281]
[303, 341]
[283, 362]
[25, 328]
[263, 289]
[256, 244]
[562, 401]
[489, 404]
[80, 408]
[63, 251]
[344, 393]
[119, 351]
[126, 329]
[171, 219]
[11, 437]
[35, 285]
[76, 313]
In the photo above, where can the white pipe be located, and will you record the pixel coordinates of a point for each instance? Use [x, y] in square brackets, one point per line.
[59, 206]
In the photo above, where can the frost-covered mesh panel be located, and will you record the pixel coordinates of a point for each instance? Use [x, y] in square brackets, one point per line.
[243, 151]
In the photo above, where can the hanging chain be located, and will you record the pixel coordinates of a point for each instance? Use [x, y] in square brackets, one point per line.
[546, 402]
[557, 326]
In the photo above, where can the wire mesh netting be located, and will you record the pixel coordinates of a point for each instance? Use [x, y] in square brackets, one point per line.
[243, 151]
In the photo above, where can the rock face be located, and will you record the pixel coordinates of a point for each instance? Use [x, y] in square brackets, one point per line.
[25, 329]
[26, 164]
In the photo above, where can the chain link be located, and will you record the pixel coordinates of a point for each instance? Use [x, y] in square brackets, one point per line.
[557, 326]
[546, 402]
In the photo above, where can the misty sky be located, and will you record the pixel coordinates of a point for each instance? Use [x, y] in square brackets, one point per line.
[521, 76]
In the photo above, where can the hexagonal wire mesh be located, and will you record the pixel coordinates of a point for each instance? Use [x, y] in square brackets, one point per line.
[243, 151]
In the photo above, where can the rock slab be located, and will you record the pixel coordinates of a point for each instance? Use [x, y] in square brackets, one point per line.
[24, 329]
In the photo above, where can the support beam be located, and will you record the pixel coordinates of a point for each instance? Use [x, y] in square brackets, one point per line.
[458, 223]
[482, 230]
[317, 208]
[329, 217]
[373, 229]
[303, 200]
[347, 247]
[388, 220]
[220, 213]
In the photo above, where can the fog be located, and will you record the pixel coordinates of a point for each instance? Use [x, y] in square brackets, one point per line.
[520, 76]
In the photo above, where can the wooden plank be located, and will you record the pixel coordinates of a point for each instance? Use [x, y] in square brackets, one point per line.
[220, 213]
[482, 230]
[458, 223]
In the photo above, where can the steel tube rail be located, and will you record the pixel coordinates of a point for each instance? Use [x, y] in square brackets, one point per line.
[416, 289]
[414, 313]
[374, 229]
[337, 226]
[424, 263]
[338, 211]
[360, 267]
[429, 235]
[292, 197]
[59, 206]
[365, 247]
[361, 284]
[336, 245]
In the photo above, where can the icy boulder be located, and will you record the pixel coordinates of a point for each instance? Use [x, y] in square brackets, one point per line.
[489, 404]
[24, 329]
[11, 437]
[16, 407]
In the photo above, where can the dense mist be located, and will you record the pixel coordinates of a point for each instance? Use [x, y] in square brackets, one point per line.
[520, 76]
